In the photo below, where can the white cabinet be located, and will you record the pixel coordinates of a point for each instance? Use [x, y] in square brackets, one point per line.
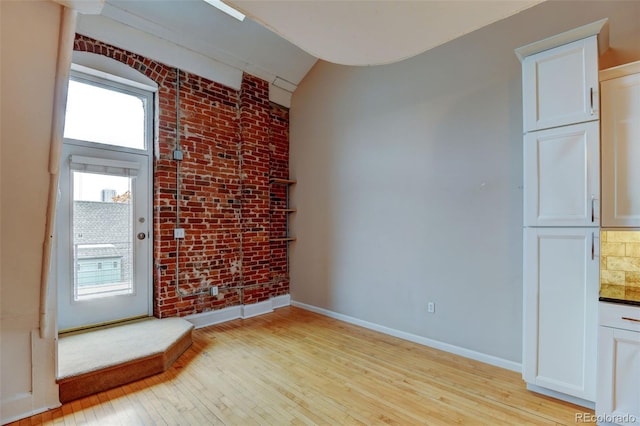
[560, 85]
[618, 398]
[621, 151]
[560, 309]
[562, 176]
[561, 211]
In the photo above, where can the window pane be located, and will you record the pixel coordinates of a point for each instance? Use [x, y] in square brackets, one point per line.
[102, 235]
[97, 114]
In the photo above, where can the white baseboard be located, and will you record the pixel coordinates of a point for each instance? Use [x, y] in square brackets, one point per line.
[561, 396]
[281, 301]
[206, 319]
[21, 406]
[256, 309]
[467, 353]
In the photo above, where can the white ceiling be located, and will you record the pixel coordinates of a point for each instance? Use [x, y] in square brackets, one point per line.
[199, 38]
[369, 32]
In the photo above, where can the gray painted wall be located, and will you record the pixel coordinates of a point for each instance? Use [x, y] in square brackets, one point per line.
[410, 181]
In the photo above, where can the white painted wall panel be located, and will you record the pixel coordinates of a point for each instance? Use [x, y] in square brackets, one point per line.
[29, 46]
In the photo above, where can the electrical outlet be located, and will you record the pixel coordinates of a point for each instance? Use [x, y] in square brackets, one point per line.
[213, 291]
[178, 233]
[431, 308]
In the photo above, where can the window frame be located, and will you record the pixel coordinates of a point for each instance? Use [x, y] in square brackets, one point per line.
[146, 95]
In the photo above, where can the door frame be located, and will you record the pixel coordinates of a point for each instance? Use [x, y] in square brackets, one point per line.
[150, 95]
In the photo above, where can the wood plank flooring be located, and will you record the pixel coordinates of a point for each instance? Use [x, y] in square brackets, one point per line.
[294, 367]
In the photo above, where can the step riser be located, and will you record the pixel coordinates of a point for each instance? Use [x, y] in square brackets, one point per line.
[72, 388]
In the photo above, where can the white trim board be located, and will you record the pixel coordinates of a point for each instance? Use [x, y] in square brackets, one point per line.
[600, 28]
[619, 71]
[446, 347]
[281, 301]
[255, 309]
[561, 396]
[44, 392]
[206, 319]
[21, 406]
[218, 316]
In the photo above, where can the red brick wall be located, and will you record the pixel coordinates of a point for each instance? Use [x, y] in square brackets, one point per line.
[279, 168]
[232, 142]
[254, 178]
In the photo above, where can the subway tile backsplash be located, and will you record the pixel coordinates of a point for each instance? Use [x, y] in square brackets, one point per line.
[620, 265]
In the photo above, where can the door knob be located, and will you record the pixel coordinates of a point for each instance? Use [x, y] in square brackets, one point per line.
[142, 235]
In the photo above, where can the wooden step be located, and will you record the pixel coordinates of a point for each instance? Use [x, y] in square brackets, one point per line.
[98, 360]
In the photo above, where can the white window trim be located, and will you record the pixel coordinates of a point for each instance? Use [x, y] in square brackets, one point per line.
[103, 68]
[151, 120]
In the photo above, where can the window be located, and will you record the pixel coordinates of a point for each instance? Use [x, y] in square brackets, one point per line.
[107, 112]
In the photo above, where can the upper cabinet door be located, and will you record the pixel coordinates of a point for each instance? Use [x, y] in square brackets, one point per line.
[560, 85]
[621, 151]
[562, 176]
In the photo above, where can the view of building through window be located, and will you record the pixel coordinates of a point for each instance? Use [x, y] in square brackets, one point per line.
[102, 235]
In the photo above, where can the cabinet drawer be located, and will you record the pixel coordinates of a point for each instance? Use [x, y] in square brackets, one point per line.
[616, 315]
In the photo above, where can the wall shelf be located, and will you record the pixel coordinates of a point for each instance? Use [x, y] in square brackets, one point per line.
[280, 208]
[282, 181]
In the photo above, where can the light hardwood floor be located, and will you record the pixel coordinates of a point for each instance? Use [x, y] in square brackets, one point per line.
[296, 367]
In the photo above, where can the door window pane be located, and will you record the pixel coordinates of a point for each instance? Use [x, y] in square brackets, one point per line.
[102, 235]
[108, 116]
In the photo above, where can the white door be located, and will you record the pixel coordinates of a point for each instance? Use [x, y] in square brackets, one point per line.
[560, 85]
[104, 210]
[562, 176]
[621, 151]
[560, 309]
[104, 243]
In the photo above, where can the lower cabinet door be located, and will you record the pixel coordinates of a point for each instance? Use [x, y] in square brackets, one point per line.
[561, 268]
[618, 376]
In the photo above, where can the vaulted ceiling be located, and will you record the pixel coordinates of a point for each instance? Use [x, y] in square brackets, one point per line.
[281, 40]
[375, 32]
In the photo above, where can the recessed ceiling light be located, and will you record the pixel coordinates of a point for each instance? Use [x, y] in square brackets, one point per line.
[218, 4]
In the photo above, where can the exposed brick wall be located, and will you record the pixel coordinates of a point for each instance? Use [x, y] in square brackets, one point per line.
[279, 168]
[230, 140]
[254, 164]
